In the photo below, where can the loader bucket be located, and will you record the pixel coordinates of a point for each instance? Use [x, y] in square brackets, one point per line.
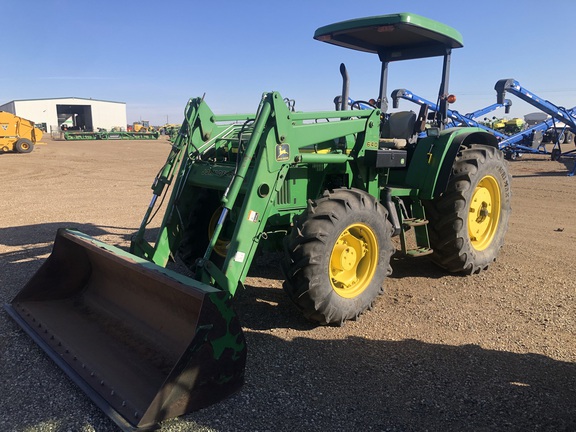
[143, 342]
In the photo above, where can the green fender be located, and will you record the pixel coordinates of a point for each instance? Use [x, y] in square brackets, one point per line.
[433, 158]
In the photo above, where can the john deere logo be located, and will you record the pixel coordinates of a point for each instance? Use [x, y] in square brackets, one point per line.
[282, 152]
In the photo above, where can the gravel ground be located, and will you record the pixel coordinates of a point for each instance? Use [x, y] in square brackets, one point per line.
[438, 352]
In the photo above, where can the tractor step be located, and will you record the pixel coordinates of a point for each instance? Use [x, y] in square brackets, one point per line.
[415, 222]
[414, 242]
[418, 252]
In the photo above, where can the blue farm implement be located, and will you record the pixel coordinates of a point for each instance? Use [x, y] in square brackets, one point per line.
[561, 119]
[529, 140]
[453, 118]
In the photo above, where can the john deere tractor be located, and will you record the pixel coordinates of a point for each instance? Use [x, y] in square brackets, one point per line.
[330, 189]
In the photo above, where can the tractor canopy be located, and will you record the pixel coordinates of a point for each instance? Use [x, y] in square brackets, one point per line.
[401, 36]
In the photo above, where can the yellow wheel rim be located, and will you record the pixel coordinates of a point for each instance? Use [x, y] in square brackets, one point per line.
[221, 246]
[484, 213]
[353, 260]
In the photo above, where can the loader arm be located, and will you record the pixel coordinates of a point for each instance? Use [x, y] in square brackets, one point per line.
[277, 141]
[197, 136]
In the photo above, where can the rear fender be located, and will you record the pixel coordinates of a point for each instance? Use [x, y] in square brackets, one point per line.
[431, 164]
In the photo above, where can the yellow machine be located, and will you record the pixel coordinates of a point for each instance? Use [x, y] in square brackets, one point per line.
[17, 134]
[142, 126]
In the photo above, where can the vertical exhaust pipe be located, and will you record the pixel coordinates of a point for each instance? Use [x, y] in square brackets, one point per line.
[345, 87]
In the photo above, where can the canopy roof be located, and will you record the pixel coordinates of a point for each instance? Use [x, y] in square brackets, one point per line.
[401, 36]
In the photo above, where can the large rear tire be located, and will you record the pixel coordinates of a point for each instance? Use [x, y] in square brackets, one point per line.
[468, 222]
[337, 256]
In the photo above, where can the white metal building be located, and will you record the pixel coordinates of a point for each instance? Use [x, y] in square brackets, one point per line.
[76, 113]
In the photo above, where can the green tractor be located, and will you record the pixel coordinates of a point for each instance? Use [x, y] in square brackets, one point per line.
[331, 189]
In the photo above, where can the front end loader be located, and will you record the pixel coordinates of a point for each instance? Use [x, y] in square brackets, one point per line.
[330, 189]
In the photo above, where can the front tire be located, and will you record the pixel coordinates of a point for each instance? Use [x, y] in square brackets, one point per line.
[556, 154]
[24, 145]
[206, 209]
[338, 256]
[468, 222]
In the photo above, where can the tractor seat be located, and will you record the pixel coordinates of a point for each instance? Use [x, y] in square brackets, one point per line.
[398, 131]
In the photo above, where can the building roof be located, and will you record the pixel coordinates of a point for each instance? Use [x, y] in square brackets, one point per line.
[57, 98]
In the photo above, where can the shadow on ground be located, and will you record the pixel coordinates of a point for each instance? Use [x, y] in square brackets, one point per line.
[360, 384]
[306, 383]
[568, 162]
[24, 248]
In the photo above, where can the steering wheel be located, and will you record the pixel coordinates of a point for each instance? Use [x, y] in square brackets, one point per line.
[357, 104]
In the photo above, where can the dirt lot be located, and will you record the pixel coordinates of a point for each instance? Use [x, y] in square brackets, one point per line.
[438, 352]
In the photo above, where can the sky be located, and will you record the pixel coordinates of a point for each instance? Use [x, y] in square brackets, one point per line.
[155, 55]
